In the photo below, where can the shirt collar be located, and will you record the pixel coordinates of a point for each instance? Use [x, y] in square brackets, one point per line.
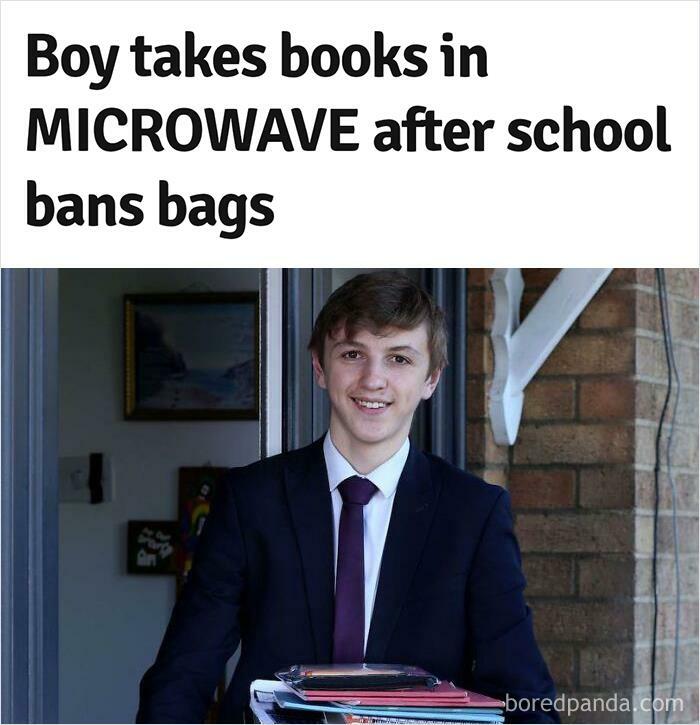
[384, 477]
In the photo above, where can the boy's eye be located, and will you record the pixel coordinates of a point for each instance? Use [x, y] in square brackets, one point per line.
[351, 355]
[401, 360]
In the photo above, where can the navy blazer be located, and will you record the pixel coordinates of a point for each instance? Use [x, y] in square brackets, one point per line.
[449, 597]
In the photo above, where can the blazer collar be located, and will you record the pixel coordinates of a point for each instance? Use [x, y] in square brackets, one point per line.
[411, 517]
[309, 501]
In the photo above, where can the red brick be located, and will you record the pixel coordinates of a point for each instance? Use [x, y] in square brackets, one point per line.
[684, 320]
[632, 275]
[666, 576]
[548, 576]
[539, 277]
[572, 533]
[684, 451]
[479, 310]
[528, 301]
[606, 576]
[683, 282]
[574, 443]
[607, 398]
[686, 491]
[549, 399]
[649, 400]
[651, 361]
[560, 660]
[479, 354]
[583, 622]
[647, 311]
[606, 666]
[607, 487]
[610, 308]
[579, 354]
[542, 488]
[687, 664]
[687, 529]
[643, 618]
[477, 405]
[481, 446]
[479, 277]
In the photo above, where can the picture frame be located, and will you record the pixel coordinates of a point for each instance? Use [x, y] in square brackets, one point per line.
[191, 356]
[196, 488]
[153, 547]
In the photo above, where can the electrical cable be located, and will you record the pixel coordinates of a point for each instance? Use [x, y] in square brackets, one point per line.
[671, 362]
[657, 466]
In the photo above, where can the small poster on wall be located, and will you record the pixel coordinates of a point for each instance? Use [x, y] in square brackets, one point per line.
[152, 547]
[196, 489]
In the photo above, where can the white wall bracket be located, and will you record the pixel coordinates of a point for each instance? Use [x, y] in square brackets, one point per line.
[520, 349]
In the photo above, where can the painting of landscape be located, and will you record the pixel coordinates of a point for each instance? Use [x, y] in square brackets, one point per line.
[192, 356]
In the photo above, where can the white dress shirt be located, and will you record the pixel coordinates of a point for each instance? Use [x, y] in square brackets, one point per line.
[377, 512]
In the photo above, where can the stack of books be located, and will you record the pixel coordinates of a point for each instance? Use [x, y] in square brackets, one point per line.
[367, 693]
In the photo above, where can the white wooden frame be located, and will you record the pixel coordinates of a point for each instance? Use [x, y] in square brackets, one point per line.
[520, 349]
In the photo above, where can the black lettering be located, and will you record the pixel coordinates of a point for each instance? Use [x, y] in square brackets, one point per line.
[33, 202]
[168, 61]
[107, 203]
[250, 56]
[230, 121]
[647, 135]
[538, 134]
[389, 139]
[339, 129]
[384, 58]
[72, 212]
[257, 204]
[100, 121]
[289, 52]
[171, 129]
[275, 118]
[308, 142]
[60, 122]
[599, 134]
[195, 59]
[139, 130]
[225, 56]
[34, 54]
[238, 220]
[364, 61]
[414, 55]
[165, 199]
[129, 205]
[570, 126]
[661, 142]
[516, 130]
[139, 49]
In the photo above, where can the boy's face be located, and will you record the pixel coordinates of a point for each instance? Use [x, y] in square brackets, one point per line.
[375, 383]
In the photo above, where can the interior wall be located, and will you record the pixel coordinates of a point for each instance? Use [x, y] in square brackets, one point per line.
[110, 622]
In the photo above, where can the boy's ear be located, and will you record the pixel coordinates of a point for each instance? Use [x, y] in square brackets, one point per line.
[431, 383]
[318, 370]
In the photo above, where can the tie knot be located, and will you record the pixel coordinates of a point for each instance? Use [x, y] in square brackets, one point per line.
[357, 490]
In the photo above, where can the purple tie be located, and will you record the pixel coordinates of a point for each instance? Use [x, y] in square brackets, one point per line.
[349, 631]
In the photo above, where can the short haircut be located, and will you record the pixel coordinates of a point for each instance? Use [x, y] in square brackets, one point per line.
[379, 300]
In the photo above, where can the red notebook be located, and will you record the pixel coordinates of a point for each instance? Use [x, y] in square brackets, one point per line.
[443, 695]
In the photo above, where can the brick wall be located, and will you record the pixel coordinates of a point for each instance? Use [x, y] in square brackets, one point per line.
[581, 481]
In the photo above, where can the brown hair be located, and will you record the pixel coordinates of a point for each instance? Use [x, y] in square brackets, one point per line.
[376, 301]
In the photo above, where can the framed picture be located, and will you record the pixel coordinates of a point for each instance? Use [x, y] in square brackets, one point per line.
[196, 488]
[152, 547]
[191, 356]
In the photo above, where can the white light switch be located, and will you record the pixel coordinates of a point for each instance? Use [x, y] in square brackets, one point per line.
[73, 477]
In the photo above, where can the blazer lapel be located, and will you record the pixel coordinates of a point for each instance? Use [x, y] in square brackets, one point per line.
[309, 501]
[411, 517]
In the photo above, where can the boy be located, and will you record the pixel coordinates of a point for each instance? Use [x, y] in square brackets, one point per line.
[358, 547]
